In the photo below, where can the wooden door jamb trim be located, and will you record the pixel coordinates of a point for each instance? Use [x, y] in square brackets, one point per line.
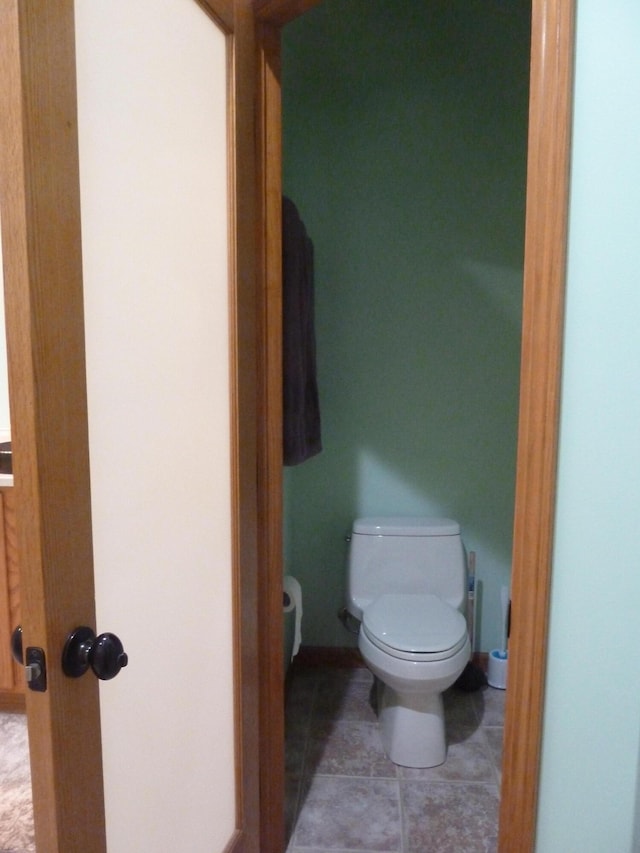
[269, 159]
[236, 19]
[40, 197]
[277, 13]
[552, 41]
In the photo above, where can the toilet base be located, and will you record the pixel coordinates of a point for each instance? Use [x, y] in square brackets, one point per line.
[412, 727]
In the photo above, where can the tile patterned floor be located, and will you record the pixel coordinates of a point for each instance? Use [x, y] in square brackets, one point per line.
[344, 795]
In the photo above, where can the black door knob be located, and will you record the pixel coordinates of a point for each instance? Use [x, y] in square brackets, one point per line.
[104, 654]
[16, 645]
[35, 671]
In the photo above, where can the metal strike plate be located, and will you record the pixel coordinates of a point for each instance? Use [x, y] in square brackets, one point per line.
[35, 669]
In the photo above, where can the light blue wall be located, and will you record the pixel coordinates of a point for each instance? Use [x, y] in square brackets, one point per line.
[589, 784]
[404, 149]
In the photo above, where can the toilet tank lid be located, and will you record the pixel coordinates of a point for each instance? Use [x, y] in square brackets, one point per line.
[406, 526]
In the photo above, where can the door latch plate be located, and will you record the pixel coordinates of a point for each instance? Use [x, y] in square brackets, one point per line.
[36, 669]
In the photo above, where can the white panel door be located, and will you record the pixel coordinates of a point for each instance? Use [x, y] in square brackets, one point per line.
[129, 250]
[152, 119]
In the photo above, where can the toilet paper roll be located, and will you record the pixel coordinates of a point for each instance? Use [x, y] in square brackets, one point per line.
[292, 600]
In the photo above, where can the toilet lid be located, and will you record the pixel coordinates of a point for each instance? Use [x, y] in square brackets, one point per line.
[419, 624]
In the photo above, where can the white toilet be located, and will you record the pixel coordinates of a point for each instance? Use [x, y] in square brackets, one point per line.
[407, 583]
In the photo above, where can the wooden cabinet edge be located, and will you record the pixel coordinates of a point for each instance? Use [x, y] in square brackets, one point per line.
[12, 690]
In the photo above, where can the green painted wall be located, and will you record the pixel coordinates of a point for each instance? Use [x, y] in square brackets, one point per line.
[590, 785]
[405, 151]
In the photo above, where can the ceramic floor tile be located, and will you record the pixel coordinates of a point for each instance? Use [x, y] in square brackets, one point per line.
[350, 814]
[299, 697]
[468, 760]
[449, 818]
[347, 748]
[348, 798]
[329, 676]
[327, 850]
[459, 709]
[345, 697]
[495, 736]
[291, 802]
[490, 706]
[295, 748]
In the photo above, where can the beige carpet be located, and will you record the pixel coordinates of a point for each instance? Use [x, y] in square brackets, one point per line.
[16, 815]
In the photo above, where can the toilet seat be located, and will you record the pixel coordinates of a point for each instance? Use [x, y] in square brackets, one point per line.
[415, 627]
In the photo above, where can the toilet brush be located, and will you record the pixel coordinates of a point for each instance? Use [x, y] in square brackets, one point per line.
[472, 677]
[498, 658]
[505, 598]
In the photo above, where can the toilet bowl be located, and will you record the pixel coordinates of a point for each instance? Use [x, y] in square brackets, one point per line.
[407, 586]
[416, 646]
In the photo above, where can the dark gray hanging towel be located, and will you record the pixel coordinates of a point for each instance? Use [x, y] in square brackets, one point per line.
[301, 408]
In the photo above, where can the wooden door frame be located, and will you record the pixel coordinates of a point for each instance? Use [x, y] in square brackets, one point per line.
[45, 346]
[552, 42]
[41, 234]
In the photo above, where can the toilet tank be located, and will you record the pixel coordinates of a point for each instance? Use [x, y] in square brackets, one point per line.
[405, 555]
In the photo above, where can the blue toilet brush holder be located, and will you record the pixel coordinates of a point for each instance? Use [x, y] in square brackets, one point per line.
[497, 669]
